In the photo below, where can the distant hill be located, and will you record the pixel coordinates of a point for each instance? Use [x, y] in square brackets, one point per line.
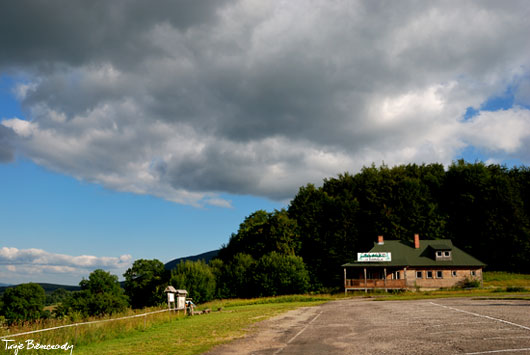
[48, 288]
[204, 256]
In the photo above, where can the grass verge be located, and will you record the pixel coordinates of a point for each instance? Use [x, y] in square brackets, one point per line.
[197, 334]
[161, 333]
[500, 279]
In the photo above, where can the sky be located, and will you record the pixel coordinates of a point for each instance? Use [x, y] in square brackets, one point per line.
[133, 129]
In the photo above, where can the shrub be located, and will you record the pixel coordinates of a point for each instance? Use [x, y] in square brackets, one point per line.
[469, 283]
[278, 274]
[23, 302]
[515, 289]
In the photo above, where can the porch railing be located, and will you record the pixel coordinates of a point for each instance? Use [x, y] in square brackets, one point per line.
[371, 283]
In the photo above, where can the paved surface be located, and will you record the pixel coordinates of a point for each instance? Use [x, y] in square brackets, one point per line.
[357, 326]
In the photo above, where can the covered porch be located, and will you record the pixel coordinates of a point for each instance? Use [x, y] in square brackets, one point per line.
[374, 277]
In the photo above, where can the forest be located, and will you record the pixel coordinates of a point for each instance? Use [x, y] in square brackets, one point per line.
[483, 209]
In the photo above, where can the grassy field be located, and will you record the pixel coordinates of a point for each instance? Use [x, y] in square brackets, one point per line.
[494, 279]
[193, 335]
[164, 333]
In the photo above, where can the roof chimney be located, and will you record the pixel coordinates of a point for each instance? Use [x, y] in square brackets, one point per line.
[380, 240]
[416, 241]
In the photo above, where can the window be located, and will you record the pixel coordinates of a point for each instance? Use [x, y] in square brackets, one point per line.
[453, 273]
[429, 274]
[473, 273]
[444, 255]
[419, 274]
[439, 274]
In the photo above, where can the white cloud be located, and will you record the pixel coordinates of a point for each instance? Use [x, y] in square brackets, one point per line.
[219, 202]
[31, 264]
[21, 127]
[503, 130]
[244, 97]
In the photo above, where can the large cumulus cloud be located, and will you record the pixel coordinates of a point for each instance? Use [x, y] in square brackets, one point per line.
[185, 100]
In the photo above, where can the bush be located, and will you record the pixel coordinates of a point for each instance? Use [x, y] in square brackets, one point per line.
[277, 274]
[469, 283]
[23, 302]
[515, 289]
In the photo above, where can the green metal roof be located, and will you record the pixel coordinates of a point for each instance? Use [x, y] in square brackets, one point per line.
[404, 254]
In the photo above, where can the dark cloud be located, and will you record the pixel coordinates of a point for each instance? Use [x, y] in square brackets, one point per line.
[187, 99]
[50, 33]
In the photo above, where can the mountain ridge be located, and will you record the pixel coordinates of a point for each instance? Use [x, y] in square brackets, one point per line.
[209, 255]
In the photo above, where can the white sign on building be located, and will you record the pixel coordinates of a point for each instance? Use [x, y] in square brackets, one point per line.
[383, 256]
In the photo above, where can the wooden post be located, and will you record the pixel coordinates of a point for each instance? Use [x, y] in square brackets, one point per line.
[384, 280]
[405, 276]
[365, 283]
[345, 289]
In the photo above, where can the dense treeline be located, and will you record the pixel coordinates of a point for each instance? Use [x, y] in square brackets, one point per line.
[483, 209]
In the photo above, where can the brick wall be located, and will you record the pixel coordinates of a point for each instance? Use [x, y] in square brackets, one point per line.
[447, 279]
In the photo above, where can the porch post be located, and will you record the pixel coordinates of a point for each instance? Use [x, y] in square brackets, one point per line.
[365, 283]
[405, 271]
[345, 289]
[384, 280]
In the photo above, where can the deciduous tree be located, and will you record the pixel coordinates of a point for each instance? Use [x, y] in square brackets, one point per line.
[23, 302]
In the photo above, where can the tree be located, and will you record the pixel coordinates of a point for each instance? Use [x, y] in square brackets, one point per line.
[100, 294]
[261, 233]
[278, 274]
[347, 213]
[23, 302]
[486, 210]
[145, 282]
[57, 296]
[234, 278]
[197, 278]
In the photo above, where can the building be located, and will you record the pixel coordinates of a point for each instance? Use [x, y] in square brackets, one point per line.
[425, 264]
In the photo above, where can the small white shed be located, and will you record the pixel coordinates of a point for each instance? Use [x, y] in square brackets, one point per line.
[177, 298]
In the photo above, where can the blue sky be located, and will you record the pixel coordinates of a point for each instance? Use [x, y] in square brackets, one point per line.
[46, 210]
[152, 134]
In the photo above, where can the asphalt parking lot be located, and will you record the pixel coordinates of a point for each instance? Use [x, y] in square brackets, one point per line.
[361, 326]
